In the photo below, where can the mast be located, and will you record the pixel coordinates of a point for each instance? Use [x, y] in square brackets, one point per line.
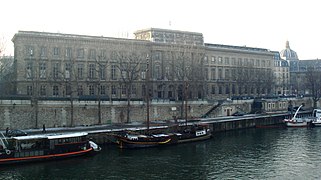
[147, 91]
[185, 93]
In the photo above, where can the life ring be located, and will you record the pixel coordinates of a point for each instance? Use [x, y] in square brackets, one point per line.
[8, 151]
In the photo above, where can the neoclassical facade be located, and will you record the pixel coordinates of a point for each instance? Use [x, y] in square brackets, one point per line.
[174, 64]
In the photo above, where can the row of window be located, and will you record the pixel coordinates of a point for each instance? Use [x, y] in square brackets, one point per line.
[56, 52]
[233, 89]
[225, 73]
[79, 72]
[237, 61]
[104, 90]
[92, 90]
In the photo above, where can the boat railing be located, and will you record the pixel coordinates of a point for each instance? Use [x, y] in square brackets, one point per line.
[3, 141]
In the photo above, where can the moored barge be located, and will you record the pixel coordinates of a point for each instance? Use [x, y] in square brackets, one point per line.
[32, 148]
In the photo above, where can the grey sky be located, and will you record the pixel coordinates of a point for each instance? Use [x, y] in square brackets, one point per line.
[255, 23]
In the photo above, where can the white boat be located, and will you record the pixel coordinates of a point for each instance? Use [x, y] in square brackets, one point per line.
[297, 122]
[316, 117]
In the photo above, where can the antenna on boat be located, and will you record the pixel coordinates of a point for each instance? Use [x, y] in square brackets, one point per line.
[297, 111]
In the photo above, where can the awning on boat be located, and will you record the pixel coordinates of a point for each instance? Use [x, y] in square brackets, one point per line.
[71, 135]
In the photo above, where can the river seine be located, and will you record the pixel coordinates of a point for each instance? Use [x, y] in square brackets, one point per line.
[243, 154]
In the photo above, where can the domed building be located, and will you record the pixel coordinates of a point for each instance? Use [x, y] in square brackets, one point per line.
[288, 53]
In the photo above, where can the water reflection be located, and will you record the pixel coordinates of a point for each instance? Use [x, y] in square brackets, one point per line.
[245, 154]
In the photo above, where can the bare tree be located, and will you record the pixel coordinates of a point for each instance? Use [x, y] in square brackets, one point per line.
[2, 46]
[129, 64]
[102, 63]
[6, 75]
[187, 62]
[65, 76]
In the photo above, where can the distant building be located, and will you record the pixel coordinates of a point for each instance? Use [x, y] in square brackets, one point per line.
[282, 75]
[67, 65]
[298, 70]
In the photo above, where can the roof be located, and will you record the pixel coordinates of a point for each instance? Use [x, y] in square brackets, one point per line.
[51, 136]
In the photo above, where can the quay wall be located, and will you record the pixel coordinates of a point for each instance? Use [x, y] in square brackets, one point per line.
[25, 114]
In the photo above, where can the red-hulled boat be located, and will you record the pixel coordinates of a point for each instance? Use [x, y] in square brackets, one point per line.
[44, 147]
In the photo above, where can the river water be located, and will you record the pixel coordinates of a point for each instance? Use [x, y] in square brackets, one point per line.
[243, 154]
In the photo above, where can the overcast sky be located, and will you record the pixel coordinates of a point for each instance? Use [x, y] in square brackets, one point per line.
[254, 23]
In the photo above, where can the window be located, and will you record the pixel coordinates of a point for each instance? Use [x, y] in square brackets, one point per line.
[68, 52]
[92, 71]
[92, 54]
[67, 70]
[157, 72]
[143, 90]
[55, 91]
[113, 72]
[56, 51]
[124, 74]
[42, 90]
[80, 71]
[29, 71]
[213, 73]
[227, 89]
[102, 90]
[30, 51]
[43, 51]
[113, 55]
[213, 59]
[123, 89]
[220, 60]
[227, 61]
[91, 90]
[80, 53]
[42, 70]
[102, 55]
[167, 72]
[246, 62]
[206, 73]
[143, 75]
[68, 90]
[233, 61]
[134, 89]
[206, 59]
[257, 63]
[233, 74]
[102, 72]
[240, 61]
[29, 90]
[227, 74]
[55, 70]
[220, 74]
[113, 90]
[157, 56]
[80, 90]
[213, 89]
[233, 89]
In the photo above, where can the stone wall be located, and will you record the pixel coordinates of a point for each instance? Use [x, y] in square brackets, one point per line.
[21, 114]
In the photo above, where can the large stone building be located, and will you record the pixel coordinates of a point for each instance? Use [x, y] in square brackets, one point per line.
[55, 65]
